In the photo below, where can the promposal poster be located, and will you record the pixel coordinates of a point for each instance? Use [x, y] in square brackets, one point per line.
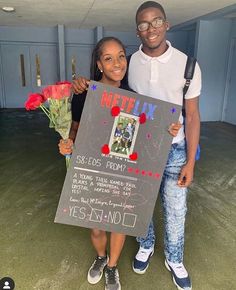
[118, 160]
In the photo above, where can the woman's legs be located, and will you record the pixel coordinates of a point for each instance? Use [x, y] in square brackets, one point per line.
[112, 281]
[99, 241]
[116, 245]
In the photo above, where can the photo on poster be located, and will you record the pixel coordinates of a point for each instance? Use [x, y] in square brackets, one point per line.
[123, 135]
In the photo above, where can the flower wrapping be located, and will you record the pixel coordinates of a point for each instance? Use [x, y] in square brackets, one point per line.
[54, 101]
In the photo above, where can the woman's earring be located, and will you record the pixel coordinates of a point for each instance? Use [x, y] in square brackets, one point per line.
[101, 70]
[137, 35]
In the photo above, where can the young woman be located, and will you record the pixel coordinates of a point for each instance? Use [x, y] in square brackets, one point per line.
[108, 66]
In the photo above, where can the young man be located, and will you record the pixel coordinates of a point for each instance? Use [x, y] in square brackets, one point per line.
[157, 70]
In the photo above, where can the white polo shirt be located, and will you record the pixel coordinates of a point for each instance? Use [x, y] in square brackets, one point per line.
[162, 78]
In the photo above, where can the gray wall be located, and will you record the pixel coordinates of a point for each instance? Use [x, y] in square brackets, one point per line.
[128, 38]
[229, 105]
[209, 41]
[56, 64]
[179, 40]
[233, 31]
[212, 54]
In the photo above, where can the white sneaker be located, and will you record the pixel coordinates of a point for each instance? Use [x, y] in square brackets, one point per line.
[95, 272]
[141, 260]
[180, 275]
[112, 280]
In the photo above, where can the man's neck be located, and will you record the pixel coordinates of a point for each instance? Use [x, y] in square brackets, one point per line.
[155, 52]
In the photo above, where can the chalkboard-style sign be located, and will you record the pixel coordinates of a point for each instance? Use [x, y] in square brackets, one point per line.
[118, 160]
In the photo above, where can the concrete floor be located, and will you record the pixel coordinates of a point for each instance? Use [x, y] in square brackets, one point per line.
[39, 254]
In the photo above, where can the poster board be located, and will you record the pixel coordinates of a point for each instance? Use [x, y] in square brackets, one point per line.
[118, 161]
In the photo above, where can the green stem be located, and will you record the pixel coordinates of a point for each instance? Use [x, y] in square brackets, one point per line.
[50, 102]
[47, 114]
[46, 109]
[68, 157]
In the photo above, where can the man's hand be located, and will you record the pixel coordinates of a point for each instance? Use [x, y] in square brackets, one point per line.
[186, 175]
[80, 85]
[174, 128]
[65, 146]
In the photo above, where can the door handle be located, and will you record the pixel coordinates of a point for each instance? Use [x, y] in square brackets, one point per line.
[22, 66]
[38, 74]
[73, 67]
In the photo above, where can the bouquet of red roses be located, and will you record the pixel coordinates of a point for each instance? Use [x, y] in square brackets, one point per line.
[58, 108]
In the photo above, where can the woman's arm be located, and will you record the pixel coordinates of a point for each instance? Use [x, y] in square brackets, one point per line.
[66, 146]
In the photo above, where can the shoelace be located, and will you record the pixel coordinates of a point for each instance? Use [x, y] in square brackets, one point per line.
[111, 275]
[98, 263]
[142, 255]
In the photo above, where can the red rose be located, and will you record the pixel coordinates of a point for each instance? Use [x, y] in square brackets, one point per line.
[63, 83]
[34, 101]
[58, 91]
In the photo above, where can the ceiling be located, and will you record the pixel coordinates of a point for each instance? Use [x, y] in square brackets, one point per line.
[117, 15]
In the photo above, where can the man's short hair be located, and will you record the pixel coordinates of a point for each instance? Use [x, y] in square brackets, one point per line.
[150, 4]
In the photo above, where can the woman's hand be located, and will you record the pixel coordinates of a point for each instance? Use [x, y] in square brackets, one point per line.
[174, 128]
[65, 146]
[80, 85]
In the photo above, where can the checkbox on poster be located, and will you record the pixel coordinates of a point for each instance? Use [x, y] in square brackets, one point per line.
[96, 215]
[129, 220]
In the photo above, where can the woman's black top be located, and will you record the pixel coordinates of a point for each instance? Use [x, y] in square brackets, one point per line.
[78, 100]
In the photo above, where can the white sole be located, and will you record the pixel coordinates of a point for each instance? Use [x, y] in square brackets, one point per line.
[95, 282]
[168, 268]
[140, 272]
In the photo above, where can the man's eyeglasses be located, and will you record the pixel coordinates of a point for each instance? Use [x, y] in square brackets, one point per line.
[156, 23]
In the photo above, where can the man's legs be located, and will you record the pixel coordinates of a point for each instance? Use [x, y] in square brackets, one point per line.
[149, 241]
[173, 200]
[146, 250]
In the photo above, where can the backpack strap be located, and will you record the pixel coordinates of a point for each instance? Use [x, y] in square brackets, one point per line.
[188, 75]
[189, 72]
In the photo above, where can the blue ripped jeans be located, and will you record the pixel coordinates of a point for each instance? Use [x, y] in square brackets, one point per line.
[173, 199]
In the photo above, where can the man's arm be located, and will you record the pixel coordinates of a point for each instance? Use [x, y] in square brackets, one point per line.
[80, 85]
[192, 131]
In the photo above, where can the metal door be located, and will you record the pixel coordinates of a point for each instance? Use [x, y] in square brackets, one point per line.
[27, 68]
[16, 74]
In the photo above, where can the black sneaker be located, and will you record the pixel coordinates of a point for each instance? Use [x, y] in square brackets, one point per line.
[112, 279]
[96, 270]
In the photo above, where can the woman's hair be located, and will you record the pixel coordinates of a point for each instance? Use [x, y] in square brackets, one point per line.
[150, 4]
[95, 73]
